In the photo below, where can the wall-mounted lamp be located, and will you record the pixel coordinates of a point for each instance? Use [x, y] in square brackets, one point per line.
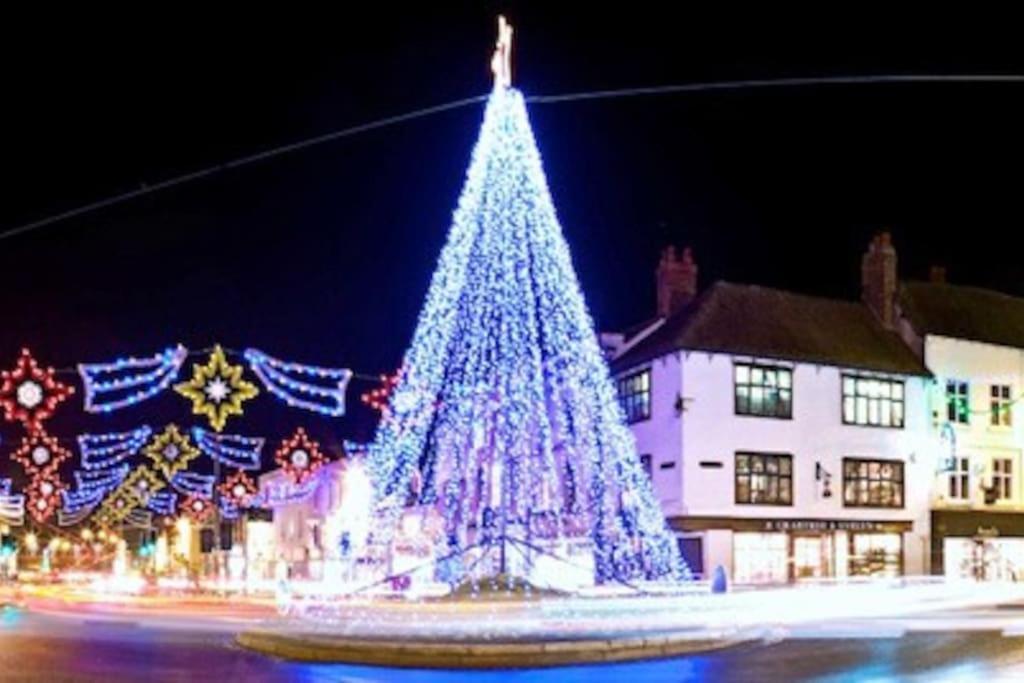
[825, 477]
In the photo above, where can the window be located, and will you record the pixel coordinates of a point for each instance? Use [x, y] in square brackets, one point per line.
[760, 558]
[764, 390]
[960, 480]
[764, 479]
[645, 463]
[872, 483]
[635, 395]
[875, 402]
[1002, 477]
[958, 405]
[1000, 411]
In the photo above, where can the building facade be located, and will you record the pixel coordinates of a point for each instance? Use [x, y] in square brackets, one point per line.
[972, 340]
[787, 436]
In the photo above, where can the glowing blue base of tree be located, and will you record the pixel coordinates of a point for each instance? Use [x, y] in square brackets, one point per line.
[504, 444]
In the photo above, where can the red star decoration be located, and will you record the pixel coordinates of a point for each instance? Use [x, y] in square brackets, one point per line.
[299, 456]
[239, 488]
[43, 496]
[199, 509]
[29, 394]
[40, 453]
[378, 398]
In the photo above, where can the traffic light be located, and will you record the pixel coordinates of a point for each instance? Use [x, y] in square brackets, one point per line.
[147, 547]
[8, 546]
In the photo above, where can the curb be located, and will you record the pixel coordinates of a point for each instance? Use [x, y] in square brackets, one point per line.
[474, 655]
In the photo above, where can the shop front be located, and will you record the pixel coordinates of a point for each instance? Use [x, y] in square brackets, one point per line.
[985, 546]
[761, 551]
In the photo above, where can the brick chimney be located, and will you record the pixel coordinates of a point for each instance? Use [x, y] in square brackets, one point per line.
[676, 279]
[878, 279]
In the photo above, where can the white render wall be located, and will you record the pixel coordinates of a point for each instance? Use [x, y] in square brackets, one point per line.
[982, 365]
[709, 430]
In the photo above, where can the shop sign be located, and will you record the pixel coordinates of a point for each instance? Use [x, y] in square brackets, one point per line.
[823, 525]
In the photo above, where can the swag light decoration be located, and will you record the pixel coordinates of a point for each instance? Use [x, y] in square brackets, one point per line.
[504, 424]
[127, 381]
[171, 451]
[299, 457]
[194, 484]
[319, 389]
[233, 450]
[101, 451]
[12, 505]
[217, 389]
[29, 394]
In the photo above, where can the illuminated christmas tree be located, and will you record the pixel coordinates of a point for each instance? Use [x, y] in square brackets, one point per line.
[503, 450]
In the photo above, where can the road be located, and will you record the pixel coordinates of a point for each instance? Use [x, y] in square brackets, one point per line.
[90, 647]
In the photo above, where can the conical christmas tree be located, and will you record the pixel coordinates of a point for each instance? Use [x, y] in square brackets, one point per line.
[503, 450]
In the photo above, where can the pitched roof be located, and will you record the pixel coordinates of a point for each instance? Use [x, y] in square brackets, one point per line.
[964, 312]
[771, 323]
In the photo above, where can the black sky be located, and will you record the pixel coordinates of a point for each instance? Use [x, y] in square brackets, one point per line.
[324, 255]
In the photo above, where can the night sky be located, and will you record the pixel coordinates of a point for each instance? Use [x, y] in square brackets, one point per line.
[324, 255]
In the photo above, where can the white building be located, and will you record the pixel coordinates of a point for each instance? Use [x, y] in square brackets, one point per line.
[787, 436]
[972, 340]
[318, 526]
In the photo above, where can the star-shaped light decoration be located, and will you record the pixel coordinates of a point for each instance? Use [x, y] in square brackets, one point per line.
[217, 389]
[43, 496]
[119, 503]
[40, 453]
[29, 394]
[171, 451]
[299, 456]
[141, 484]
[198, 509]
[239, 489]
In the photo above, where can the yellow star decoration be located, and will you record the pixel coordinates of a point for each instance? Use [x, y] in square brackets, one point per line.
[217, 389]
[118, 504]
[171, 451]
[140, 484]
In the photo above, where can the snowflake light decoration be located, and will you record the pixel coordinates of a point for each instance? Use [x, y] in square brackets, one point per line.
[141, 484]
[43, 496]
[198, 509]
[40, 453]
[299, 456]
[171, 451]
[217, 389]
[239, 488]
[29, 394]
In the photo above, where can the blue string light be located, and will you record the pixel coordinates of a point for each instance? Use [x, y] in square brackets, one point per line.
[92, 487]
[163, 502]
[233, 450]
[100, 451]
[285, 491]
[293, 383]
[228, 510]
[194, 484]
[127, 381]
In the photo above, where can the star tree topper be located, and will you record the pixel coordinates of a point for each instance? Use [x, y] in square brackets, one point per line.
[217, 389]
[29, 394]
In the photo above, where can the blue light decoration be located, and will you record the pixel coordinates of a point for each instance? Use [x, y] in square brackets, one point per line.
[139, 519]
[295, 383]
[65, 518]
[92, 486]
[102, 451]
[127, 381]
[12, 505]
[233, 450]
[228, 510]
[285, 491]
[194, 484]
[504, 422]
[163, 502]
